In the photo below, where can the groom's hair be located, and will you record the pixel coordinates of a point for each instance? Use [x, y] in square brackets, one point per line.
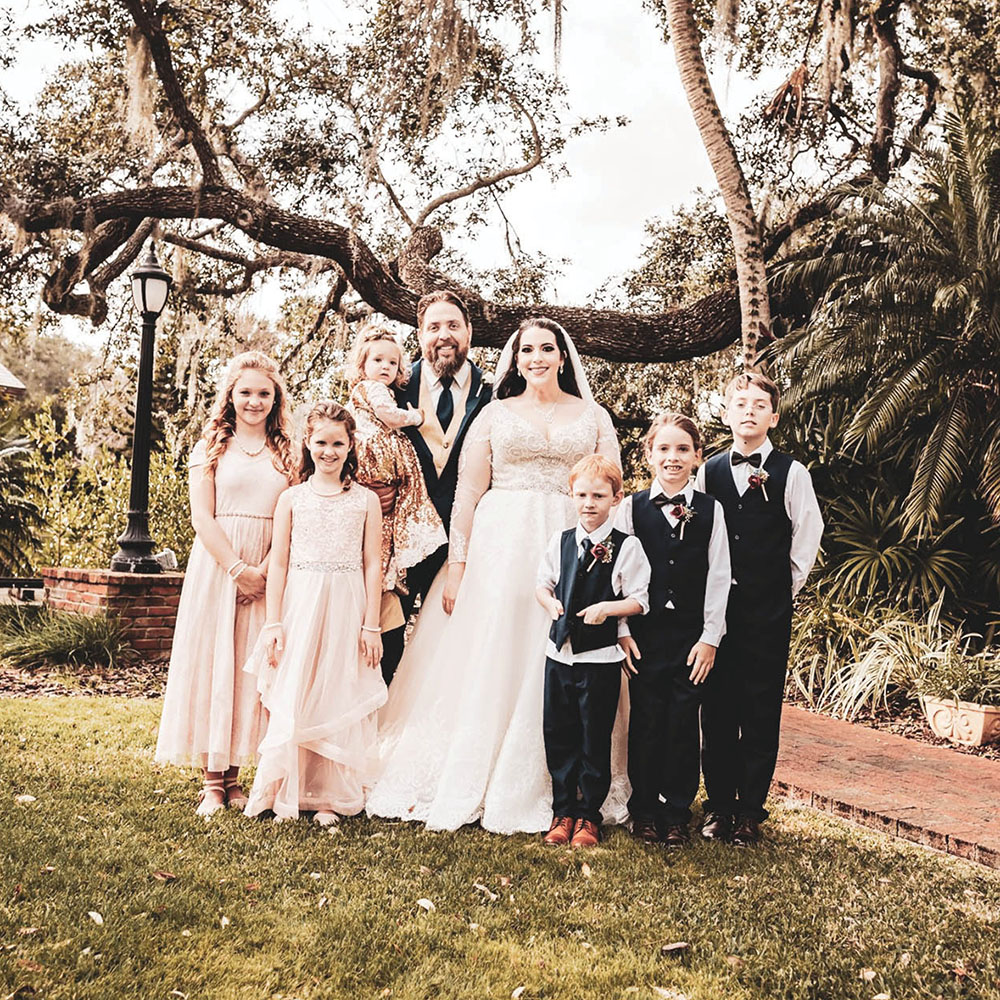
[441, 295]
[597, 467]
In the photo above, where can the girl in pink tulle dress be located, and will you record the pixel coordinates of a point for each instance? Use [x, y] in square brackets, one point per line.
[316, 661]
[212, 716]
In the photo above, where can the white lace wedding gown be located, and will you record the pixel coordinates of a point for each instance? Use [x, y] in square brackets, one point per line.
[461, 734]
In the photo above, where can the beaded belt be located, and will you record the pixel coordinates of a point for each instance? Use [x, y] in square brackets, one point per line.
[326, 567]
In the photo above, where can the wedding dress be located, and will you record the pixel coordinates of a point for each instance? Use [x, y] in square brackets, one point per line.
[461, 734]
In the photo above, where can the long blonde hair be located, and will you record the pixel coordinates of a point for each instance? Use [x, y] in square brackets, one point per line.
[221, 424]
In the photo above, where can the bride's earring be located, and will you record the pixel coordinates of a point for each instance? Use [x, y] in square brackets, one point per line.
[561, 367]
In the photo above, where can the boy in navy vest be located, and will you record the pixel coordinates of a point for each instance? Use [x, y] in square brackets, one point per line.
[590, 576]
[775, 528]
[683, 533]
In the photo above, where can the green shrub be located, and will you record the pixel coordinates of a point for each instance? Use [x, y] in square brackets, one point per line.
[963, 675]
[35, 638]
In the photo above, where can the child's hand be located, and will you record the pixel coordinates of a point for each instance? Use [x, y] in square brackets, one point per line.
[596, 614]
[631, 651]
[274, 638]
[371, 648]
[251, 583]
[553, 607]
[702, 655]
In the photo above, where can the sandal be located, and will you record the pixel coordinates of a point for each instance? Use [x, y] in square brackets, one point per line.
[236, 798]
[211, 798]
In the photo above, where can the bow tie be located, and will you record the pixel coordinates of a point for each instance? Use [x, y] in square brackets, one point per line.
[738, 459]
[661, 500]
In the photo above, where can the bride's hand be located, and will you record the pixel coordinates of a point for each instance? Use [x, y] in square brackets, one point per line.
[456, 571]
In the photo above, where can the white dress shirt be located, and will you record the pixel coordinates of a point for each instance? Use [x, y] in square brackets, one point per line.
[630, 579]
[457, 385]
[801, 507]
[720, 573]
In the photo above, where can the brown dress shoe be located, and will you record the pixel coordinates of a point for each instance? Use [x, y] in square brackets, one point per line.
[716, 826]
[560, 832]
[746, 833]
[676, 835]
[645, 830]
[585, 834]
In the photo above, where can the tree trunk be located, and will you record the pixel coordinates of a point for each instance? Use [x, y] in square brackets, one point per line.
[755, 310]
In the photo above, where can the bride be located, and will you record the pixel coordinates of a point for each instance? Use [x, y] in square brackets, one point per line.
[461, 734]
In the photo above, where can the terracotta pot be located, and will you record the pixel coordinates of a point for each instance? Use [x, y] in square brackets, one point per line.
[963, 721]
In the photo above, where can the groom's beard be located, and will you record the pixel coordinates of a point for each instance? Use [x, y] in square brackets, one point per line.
[445, 366]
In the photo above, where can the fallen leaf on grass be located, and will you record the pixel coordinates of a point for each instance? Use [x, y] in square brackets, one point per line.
[868, 975]
[485, 890]
[252, 886]
[904, 959]
[315, 875]
[735, 961]
[675, 948]
[662, 991]
[177, 993]
[164, 876]
[424, 870]
[322, 903]
[585, 870]
[224, 921]
[26, 963]
[96, 917]
[881, 996]
[23, 800]
[426, 904]
[185, 933]
[504, 881]
[29, 930]
[48, 868]
[518, 993]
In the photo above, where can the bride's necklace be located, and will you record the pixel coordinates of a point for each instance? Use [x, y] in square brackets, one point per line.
[247, 451]
[547, 413]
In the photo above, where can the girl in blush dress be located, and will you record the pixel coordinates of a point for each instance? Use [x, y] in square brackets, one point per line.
[211, 710]
[316, 661]
[412, 530]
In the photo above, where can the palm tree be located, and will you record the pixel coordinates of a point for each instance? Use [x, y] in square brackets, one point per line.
[755, 309]
[906, 321]
[18, 514]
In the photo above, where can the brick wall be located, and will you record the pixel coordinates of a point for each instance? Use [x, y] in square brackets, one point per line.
[146, 603]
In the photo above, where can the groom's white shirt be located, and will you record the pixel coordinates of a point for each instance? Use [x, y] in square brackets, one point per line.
[457, 386]
[630, 579]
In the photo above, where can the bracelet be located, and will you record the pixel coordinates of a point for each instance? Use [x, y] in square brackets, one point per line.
[236, 575]
[234, 565]
[370, 628]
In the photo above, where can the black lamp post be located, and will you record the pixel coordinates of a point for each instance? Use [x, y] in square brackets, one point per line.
[150, 284]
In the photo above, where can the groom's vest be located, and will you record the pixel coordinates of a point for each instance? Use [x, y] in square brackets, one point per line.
[578, 587]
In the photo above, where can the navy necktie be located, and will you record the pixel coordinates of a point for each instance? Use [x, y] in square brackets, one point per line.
[446, 404]
[584, 551]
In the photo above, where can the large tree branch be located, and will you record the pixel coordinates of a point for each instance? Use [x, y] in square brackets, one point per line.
[703, 328]
[147, 20]
[883, 21]
[491, 179]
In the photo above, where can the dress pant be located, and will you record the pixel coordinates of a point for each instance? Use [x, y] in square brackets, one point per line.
[741, 714]
[663, 744]
[581, 701]
[418, 580]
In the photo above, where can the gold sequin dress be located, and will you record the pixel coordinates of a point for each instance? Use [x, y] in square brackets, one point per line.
[413, 530]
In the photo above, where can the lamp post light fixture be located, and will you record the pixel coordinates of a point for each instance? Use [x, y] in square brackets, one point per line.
[150, 284]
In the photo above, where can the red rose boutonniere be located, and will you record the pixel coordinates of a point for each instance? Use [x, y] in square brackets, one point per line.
[757, 479]
[601, 552]
[683, 513]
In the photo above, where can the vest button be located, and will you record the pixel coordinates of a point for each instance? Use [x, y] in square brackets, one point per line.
[736, 537]
[671, 562]
[739, 506]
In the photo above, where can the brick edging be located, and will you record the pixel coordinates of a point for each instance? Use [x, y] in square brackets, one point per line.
[873, 819]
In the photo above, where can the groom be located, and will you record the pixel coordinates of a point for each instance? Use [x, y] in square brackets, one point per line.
[450, 391]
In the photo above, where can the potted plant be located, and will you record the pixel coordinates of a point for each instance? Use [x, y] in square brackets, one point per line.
[960, 694]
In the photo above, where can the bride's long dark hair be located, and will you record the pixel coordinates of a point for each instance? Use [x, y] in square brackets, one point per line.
[511, 382]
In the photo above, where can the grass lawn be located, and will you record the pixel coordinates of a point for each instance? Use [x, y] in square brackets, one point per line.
[111, 887]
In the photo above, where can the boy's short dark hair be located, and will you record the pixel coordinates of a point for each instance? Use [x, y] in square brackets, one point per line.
[746, 379]
[441, 295]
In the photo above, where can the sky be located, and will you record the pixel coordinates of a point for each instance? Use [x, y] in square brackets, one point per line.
[595, 217]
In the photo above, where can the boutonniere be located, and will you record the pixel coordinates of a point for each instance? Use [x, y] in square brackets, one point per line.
[758, 477]
[683, 513]
[601, 552]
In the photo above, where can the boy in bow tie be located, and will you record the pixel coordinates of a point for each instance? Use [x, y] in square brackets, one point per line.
[590, 576]
[683, 533]
[775, 527]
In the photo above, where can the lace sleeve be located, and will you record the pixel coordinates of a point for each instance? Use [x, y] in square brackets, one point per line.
[384, 406]
[475, 464]
[607, 439]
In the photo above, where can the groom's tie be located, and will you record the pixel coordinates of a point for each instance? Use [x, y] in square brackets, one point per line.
[446, 404]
